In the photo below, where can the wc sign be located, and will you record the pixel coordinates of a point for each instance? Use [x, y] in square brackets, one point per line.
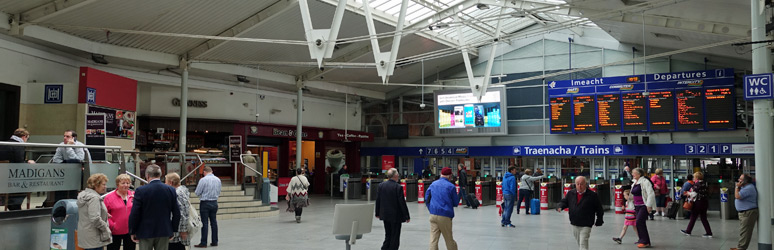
[758, 86]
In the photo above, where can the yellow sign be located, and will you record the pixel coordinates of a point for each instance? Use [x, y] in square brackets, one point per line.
[543, 184]
[618, 186]
[567, 185]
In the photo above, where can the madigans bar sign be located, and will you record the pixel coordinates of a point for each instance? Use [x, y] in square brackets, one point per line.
[23, 178]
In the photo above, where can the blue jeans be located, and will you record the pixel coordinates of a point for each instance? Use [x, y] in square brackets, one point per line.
[464, 195]
[526, 196]
[209, 211]
[507, 209]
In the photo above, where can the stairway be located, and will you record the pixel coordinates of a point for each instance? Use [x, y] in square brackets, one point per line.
[234, 204]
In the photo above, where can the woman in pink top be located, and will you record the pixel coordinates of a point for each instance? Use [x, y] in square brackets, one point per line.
[659, 185]
[119, 206]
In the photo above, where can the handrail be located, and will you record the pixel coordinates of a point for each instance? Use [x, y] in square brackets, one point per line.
[201, 163]
[50, 145]
[136, 177]
[242, 160]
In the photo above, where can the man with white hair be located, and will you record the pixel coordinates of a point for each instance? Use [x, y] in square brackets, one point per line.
[391, 209]
[583, 204]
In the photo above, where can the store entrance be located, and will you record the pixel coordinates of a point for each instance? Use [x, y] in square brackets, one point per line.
[268, 158]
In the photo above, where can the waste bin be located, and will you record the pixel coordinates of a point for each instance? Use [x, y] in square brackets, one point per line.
[727, 207]
[411, 190]
[353, 188]
[64, 222]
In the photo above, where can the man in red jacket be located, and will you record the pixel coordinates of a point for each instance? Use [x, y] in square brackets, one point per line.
[583, 205]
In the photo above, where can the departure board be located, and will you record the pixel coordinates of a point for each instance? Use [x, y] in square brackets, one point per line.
[561, 115]
[720, 102]
[584, 109]
[609, 113]
[634, 113]
[690, 109]
[662, 111]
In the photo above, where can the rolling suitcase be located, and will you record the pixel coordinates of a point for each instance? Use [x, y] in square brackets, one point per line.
[473, 201]
[672, 209]
[534, 206]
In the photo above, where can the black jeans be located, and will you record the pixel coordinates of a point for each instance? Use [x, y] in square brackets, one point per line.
[526, 196]
[175, 246]
[125, 238]
[391, 235]
[209, 211]
[299, 210]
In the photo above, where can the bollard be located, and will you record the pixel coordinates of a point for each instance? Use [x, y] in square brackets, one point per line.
[619, 199]
[478, 193]
[420, 192]
[499, 194]
[543, 196]
[403, 185]
[457, 186]
[593, 187]
[566, 189]
[346, 191]
[521, 205]
[368, 189]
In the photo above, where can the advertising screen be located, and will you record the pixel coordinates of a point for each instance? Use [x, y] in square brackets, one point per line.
[459, 112]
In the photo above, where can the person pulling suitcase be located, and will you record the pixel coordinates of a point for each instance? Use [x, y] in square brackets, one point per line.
[525, 191]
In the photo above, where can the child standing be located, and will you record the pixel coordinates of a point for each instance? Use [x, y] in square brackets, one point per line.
[629, 217]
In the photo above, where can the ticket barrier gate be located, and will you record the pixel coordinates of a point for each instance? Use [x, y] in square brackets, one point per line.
[554, 193]
[353, 188]
[411, 190]
[727, 206]
[372, 188]
[488, 193]
[605, 196]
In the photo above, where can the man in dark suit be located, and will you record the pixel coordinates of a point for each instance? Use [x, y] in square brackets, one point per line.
[150, 221]
[391, 209]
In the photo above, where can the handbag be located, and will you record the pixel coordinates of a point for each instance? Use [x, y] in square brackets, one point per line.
[194, 220]
[688, 205]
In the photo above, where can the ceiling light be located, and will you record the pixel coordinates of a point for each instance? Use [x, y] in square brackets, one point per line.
[97, 58]
[243, 79]
[482, 6]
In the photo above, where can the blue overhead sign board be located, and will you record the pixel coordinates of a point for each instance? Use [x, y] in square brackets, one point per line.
[758, 86]
[709, 149]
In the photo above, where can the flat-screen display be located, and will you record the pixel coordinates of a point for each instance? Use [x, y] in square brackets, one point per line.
[634, 113]
[609, 113]
[662, 111]
[690, 109]
[561, 115]
[459, 112]
[584, 109]
[723, 111]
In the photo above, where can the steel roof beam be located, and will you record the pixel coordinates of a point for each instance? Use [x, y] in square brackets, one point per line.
[51, 9]
[243, 27]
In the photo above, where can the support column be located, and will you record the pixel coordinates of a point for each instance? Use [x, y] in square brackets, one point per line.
[764, 127]
[183, 106]
[299, 133]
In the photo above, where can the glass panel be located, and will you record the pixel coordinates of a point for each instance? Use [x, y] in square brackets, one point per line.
[525, 113]
[524, 96]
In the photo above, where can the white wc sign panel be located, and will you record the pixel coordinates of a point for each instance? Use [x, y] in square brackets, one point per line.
[758, 86]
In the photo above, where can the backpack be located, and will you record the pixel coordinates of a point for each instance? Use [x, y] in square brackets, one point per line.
[194, 220]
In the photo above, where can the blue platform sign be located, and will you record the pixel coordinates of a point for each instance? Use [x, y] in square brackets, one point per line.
[758, 86]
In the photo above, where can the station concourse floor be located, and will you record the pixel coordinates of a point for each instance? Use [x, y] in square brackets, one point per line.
[477, 229]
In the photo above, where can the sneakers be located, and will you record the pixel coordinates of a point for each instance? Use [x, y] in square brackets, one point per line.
[617, 240]
[707, 236]
[685, 233]
[298, 219]
[641, 245]
[510, 225]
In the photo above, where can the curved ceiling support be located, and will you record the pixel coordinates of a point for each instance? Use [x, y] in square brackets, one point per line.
[385, 61]
[478, 85]
[321, 41]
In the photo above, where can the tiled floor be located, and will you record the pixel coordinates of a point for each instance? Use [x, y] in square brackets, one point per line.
[473, 229]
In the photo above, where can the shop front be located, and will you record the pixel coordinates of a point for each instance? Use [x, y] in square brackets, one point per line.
[324, 151]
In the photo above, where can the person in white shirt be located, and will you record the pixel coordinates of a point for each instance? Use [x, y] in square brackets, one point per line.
[68, 154]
